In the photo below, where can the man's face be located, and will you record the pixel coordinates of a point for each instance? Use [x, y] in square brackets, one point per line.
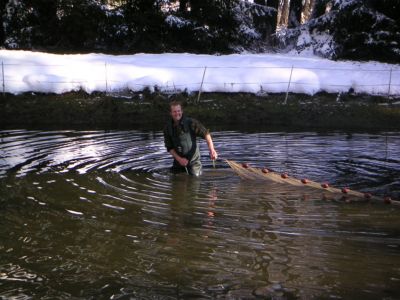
[176, 112]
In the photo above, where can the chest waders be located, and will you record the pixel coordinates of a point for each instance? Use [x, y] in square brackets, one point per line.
[185, 144]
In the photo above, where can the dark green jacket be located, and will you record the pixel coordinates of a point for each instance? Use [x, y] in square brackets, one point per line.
[182, 138]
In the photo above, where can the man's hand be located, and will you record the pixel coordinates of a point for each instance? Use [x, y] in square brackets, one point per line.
[213, 154]
[182, 161]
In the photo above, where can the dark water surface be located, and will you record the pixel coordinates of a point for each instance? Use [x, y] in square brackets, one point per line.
[96, 215]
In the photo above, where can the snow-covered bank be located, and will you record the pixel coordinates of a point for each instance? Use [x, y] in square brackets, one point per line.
[25, 71]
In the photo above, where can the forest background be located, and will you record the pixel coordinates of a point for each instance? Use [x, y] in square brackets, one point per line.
[335, 29]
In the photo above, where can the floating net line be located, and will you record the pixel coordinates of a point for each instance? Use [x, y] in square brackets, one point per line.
[249, 173]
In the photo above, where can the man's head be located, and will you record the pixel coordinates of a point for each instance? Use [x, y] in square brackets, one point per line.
[176, 110]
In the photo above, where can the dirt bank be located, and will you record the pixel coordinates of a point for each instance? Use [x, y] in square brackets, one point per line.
[220, 111]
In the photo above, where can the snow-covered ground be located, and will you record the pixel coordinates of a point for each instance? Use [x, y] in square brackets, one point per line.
[25, 71]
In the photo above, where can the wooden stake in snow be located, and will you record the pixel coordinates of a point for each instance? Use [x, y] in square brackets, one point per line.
[201, 85]
[290, 79]
[2, 75]
[105, 71]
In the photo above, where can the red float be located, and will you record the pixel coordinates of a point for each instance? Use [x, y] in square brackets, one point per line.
[305, 180]
[387, 200]
[345, 190]
[245, 165]
[265, 170]
[284, 175]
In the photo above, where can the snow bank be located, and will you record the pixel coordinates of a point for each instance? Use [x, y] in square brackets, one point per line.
[26, 71]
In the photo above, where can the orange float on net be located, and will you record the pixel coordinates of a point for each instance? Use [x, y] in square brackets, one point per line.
[284, 175]
[325, 185]
[345, 190]
[387, 200]
[305, 180]
[265, 170]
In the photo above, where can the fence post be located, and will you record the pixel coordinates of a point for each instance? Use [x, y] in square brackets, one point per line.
[390, 81]
[2, 75]
[201, 85]
[290, 79]
[105, 71]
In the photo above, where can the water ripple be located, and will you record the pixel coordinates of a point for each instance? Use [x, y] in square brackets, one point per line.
[96, 214]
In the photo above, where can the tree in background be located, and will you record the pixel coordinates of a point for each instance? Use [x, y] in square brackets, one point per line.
[307, 10]
[367, 29]
[390, 8]
[295, 10]
[349, 29]
[330, 28]
[144, 25]
[81, 24]
[202, 26]
[17, 29]
[2, 29]
[138, 25]
[55, 25]
[29, 23]
[183, 6]
[319, 8]
[293, 13]
[266, 22]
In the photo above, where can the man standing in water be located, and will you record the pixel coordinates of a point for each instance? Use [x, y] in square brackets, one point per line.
[180, 140]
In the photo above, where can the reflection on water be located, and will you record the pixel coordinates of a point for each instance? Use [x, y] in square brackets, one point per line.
[97, 215]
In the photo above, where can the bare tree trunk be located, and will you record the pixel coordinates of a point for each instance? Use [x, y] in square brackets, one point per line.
[283, 12]
[295, 9]
[307, 10]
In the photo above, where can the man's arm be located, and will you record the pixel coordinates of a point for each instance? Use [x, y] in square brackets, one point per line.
[201, 131]
[210, 144]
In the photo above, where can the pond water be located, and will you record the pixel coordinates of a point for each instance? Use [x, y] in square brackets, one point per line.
[97, 215]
